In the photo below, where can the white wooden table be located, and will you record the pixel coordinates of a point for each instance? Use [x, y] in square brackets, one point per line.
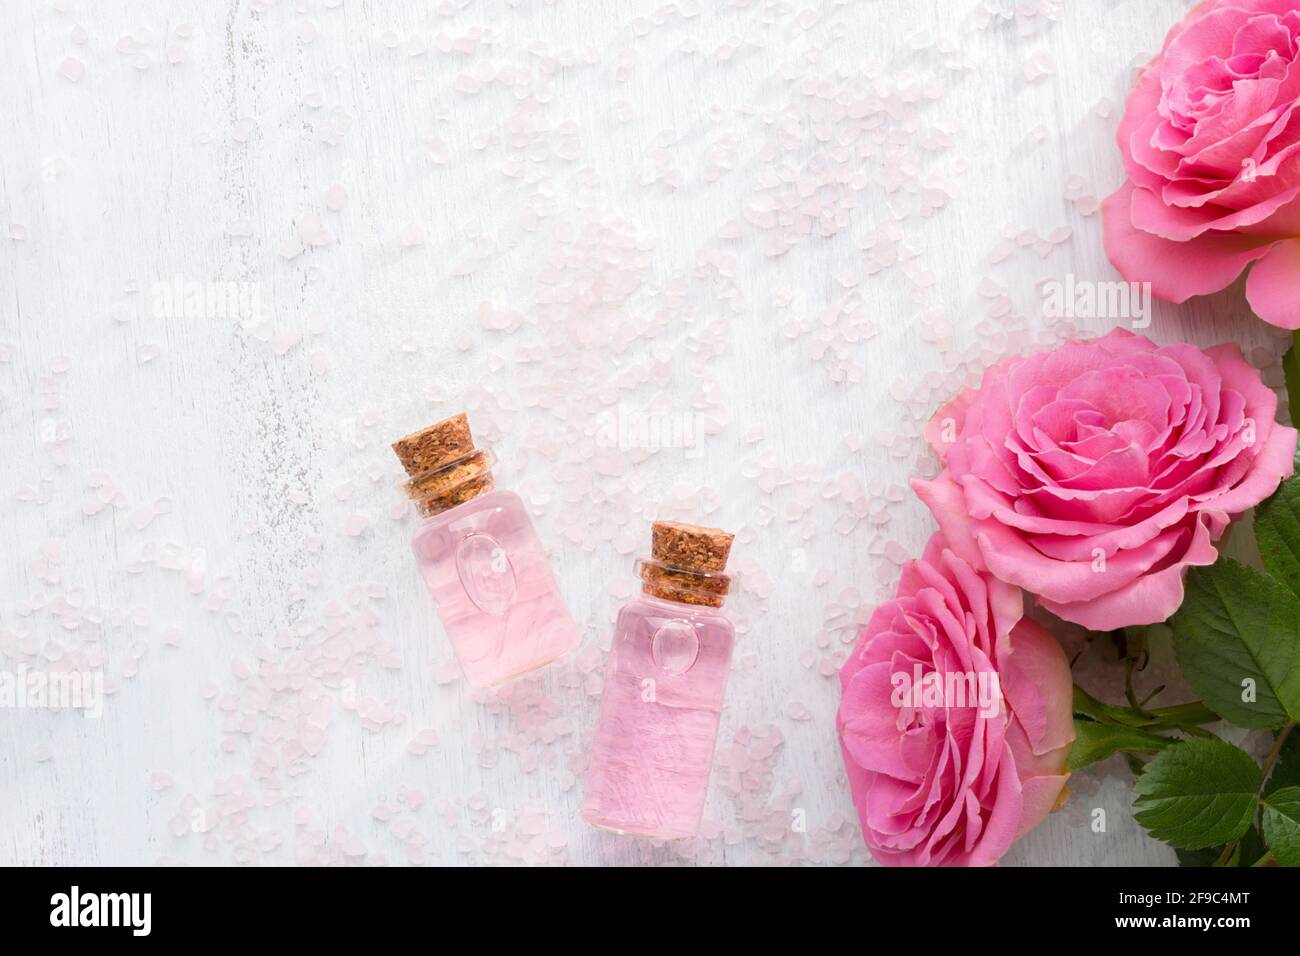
[674, 260]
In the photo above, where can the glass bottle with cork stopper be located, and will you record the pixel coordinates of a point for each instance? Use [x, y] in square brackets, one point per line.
[664, 685]
[481, 559]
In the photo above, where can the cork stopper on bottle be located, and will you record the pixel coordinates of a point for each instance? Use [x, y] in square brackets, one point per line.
[445, 467]
[686, 564]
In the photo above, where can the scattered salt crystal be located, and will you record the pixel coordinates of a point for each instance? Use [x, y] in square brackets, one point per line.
[797, 711]
[411, 235]
[72, 69]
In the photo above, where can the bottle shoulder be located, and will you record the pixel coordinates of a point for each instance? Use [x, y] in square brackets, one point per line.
[645, 606]
[496, 499]
[500, 496]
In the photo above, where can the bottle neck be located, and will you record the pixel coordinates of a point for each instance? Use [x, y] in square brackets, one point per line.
[682, 585]
[453, 484]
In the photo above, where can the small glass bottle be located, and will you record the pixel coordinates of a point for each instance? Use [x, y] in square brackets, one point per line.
[481, 559]
[649, 768]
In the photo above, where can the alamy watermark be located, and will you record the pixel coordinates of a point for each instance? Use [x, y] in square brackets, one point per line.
[1084, 299]
[981, 690]
[627, 428]
[26, 689]
[74, 908]
[184, 299]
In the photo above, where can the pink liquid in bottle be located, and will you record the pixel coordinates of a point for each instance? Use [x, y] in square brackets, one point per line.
[482, 561]
[664, 685]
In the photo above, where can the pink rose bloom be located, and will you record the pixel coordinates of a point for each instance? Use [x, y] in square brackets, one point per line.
[1211, 145]
[953, 778]
[1095, 474]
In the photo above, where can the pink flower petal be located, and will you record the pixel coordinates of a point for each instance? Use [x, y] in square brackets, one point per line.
[1273, 288]
[1176, 270]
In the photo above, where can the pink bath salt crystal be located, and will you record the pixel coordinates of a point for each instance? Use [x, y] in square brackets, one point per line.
[446, 672]
[499, 317]
[313, 233]
[283, 342]
[896, 553]
[72, 69]
[351, 846]
[336, 197]
[412, 234]
[422, 742]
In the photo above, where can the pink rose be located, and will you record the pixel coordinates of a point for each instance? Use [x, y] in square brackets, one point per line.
[1211, 145]
[953, 773]
[1093, 475]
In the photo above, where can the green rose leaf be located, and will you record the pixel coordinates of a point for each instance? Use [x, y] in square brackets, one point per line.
[1206, 856]
[1291, 369]
[1286, 772]
[1094, 742]
[1247, 853]
[1250, 848]
[1237, 639]
[1282, 825]
[1198, 793]
[1277, 529]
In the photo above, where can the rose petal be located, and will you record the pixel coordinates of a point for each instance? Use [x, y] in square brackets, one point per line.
[1273, 288]
[1176, 270]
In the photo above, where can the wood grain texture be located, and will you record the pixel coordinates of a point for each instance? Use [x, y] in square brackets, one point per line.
[212, 169]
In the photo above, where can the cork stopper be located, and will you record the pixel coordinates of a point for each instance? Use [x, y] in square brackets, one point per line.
[444, 466]
[686, 564]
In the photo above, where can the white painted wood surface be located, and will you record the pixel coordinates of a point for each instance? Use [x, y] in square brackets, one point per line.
[131, 170]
